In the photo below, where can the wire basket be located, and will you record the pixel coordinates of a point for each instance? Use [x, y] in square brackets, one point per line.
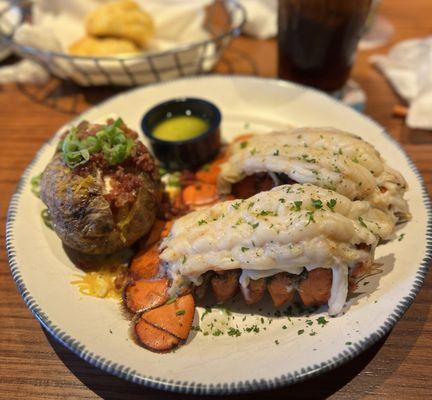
[224, 20]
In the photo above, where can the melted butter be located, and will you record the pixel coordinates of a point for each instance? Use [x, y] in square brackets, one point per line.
[180, 127]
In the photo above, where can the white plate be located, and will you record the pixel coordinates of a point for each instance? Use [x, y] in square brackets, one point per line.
[209, 364]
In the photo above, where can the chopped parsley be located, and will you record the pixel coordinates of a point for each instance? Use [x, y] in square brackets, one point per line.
[297, 205]
[253, 151]
[217, 332]
[310, 215]
[348, 343]
[309, 322]
[243, 249]
[317, 203]
[362, 223]
[276, 153]
[184, 259]
[322, 321]
[180, 312]
[254, 226]
[276, 342]
[208, 310]
[282, 200]
[243, 144]
[233, 332]
[401, 236]
[171, 300]
[300, 332]
[308, 159]
[202, 222]
[331, 204]
[235, 205]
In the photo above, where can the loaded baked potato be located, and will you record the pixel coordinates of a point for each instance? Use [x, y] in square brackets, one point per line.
[102, 188]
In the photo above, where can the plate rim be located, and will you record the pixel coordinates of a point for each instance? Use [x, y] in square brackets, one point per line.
[188, 387]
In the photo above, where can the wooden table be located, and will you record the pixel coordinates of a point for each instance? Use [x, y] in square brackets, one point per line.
[34, 366]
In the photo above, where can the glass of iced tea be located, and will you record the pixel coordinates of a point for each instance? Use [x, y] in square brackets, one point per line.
[317, 40]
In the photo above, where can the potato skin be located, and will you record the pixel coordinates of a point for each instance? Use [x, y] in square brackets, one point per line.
[82, 217]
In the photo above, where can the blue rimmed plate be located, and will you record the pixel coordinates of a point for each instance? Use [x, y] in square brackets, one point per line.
[288, 350]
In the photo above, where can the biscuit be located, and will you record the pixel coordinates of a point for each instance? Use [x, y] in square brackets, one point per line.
[122, 19]
[88, 46]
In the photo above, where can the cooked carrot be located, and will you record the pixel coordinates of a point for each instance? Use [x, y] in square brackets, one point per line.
[243, 137]
[173, 317]
[225, 285]
[146, 294]
[280, 289]
[145, 264]
[316, 288]
[255, 291]
[210, 173]
[199, 194]
[154, 338]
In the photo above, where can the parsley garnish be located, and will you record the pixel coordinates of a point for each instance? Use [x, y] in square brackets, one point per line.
[243, 249]
[297, 205]
[243, 144]
[201, 222]
[282, 200]
[235, 205]
[362, 223]
[233, 332]
[276, 153]
[253, 151]
[300, 332]
[184, 259]
[331, 204]
[322, 321]
[310, 215]
[317, 203]
[180, 312]
[401, 236]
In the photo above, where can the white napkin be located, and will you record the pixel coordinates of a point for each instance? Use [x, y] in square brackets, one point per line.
[408, 68]
[57, 24]
[261, 20]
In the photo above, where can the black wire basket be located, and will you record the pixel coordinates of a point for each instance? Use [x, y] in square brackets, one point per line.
[224, 20]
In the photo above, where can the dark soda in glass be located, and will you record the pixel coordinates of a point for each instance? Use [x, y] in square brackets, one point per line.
[317, 40]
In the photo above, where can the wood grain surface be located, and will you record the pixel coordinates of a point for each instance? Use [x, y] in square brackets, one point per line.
[34, 366]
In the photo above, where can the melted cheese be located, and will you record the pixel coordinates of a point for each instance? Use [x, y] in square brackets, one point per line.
[275, 231]
[325, 157]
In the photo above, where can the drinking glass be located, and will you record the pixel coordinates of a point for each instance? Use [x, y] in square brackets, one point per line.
[317, 40]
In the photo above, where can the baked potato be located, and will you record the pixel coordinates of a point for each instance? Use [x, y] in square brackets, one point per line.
[102, 188]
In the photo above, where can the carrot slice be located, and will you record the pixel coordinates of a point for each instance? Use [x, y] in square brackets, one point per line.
[146, 294]
[154, 338]
[316, 288]
[280, 289]
[175, 318]
[199, 194]
[210, 174]
[145, 264]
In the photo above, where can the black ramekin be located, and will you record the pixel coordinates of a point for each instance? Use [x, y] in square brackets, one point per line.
[190, 153]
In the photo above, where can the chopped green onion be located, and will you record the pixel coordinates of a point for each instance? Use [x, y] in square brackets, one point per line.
[46, 218]
[35, 184]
